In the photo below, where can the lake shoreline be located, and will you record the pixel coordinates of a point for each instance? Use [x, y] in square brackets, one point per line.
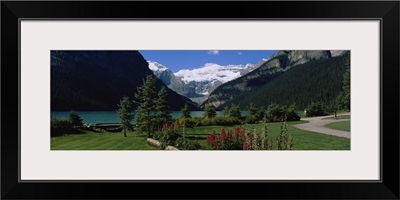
[94, 117]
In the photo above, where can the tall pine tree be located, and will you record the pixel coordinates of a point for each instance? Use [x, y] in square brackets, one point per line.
[125, 114]
[185, 112]
[75, 119]
[252, 116]
[226, 111]
[162, 108]
[209, 111]
[146, 96]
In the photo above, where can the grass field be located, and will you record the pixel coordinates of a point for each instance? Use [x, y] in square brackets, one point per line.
[100, 141]
[343, 126]
[303, 140]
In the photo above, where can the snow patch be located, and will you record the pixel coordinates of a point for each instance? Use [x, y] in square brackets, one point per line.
[211, 72]
[154, 66]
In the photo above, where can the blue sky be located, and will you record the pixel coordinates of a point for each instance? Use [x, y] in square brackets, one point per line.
[190, 59]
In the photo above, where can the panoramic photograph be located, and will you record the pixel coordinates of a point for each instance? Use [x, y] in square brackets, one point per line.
[207, 100]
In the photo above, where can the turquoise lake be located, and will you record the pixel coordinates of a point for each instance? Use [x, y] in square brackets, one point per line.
[93, 117]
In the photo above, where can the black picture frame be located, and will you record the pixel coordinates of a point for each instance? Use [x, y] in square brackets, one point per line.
[386, 11]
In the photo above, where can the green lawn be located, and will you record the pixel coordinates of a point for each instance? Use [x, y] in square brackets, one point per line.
[100, 141]
[303, 140]
[343, 126]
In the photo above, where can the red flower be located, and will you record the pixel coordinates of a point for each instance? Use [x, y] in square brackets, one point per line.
[237, 132]
[208, 140]
[171, 127]
[223, 135]
[245, 146]
[230, 135]
[212, 140]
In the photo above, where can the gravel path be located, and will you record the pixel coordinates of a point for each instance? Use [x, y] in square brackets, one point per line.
[317, 124]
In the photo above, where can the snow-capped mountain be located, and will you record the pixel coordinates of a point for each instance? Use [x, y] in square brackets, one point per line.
[200, 82]
[169, 79]
[212, 72]
[156, 67]
[207, 78]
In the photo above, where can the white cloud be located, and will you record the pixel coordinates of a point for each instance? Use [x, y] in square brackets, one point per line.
[213, 52]
[239, 53]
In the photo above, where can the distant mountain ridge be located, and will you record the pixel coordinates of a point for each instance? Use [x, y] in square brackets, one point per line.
[314, 81]
[97, 80]
[273, 67]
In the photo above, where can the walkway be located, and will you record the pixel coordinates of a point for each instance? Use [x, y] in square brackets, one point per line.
[317, 124]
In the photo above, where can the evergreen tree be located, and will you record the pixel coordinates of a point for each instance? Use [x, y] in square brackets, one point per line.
[162, 108]
[185, 112]
[75, 119]
[125, 114]
[346, 85]
[226, 111]
[141, 123]
[146, 96]
[252, 116]
[262, 112]
[210, 111]
[252, 110]
[317, 80]
[338, 104]
[234, 111]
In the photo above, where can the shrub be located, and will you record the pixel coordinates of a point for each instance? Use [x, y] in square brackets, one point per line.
[185, 144]
[168, 139]
[252, 119]
[157, 135]
[316, 109]
[276, 113]
[221, 121]
[291, 114]
[168, 134]
[60, 126]
[262, 112]
[188, 122]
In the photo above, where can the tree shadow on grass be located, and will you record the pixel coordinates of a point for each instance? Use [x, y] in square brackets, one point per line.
[57, 133]
[195, 137]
